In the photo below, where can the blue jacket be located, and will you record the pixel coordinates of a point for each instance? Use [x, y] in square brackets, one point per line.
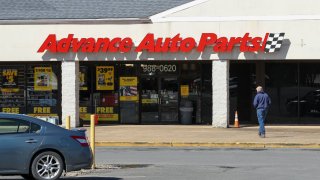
[262, 101]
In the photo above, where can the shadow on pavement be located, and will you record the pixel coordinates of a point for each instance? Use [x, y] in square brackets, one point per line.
[67, 178]
[93, 178]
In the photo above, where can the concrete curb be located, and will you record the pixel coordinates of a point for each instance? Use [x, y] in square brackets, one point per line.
[208, 145]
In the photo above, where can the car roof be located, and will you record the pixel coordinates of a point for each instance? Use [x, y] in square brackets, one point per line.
[27, 118]
[11, 115]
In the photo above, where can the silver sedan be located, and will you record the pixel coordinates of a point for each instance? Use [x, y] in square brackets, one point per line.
[36, 149]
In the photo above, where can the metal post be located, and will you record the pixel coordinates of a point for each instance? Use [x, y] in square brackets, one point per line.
[92, 139]
[68, 122]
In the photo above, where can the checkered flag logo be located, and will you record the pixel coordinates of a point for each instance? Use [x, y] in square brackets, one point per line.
[274, 42]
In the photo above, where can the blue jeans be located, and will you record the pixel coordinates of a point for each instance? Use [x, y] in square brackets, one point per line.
[262, 114]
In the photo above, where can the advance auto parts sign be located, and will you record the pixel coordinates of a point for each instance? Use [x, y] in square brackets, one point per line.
[271, 42]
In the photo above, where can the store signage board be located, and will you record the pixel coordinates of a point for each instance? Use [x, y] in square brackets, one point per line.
[271, 42]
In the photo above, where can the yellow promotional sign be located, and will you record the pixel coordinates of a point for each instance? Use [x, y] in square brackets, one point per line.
[128, 98]
[10, 110]
[10, 80]
[85, 116]
[149, 101]
[83, 78]
[184, 89]
[107, 114]
[104, 110]
[108, 117]
[42, 78]
[83, 113]
[43, 115]
[128, 81]
[41, 110]
[83, 109]
[128, 89]
[105, 77]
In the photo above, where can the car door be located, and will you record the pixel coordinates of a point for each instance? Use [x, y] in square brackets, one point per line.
[19, 139]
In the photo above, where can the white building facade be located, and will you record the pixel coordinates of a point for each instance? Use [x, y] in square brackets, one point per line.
[166, 85]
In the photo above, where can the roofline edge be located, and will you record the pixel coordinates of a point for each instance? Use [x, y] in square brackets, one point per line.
[155, 17]
[77, 21]
[237, 18]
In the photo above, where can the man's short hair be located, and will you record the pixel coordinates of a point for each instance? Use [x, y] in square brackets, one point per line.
[259, 89]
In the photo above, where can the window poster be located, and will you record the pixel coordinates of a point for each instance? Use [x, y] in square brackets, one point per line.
[84, 113]
[107, 113]
[184, 90]
[128, 89]
[42, 78]
[9, 80]
[105, 78]
[83, 78]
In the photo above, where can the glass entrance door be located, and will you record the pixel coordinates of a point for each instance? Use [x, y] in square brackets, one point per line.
[168, 101]
[159, 99]
[149, 100]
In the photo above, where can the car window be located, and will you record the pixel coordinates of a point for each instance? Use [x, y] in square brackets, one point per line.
[14, 126]
[35, 128]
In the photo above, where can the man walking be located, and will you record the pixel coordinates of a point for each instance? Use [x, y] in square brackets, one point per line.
[261, 102]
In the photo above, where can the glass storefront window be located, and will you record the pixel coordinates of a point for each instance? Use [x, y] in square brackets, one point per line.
[149, 99]
[168, 99]
[85, 92]
[105, 94]
[129, 94]
[309, 101]
[282, 87]
[145, 92]
[42, 91]
[294, 89]
[242, 82]
[31, 89]
[12, 86]
[206, 93]
[99, 92]
[191, 80]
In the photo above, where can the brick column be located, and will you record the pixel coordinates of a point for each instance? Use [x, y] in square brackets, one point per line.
[220, 93]
[70, 92]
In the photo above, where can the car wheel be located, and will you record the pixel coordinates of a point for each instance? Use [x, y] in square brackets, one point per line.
[47, 166]
[27, 177]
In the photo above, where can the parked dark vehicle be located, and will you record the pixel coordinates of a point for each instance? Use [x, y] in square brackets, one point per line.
[36, 149]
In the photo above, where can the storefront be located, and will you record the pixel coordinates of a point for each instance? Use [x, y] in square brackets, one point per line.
[145, 92]
[175, 62]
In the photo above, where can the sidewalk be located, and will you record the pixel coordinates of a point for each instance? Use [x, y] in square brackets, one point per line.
[206, 136]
